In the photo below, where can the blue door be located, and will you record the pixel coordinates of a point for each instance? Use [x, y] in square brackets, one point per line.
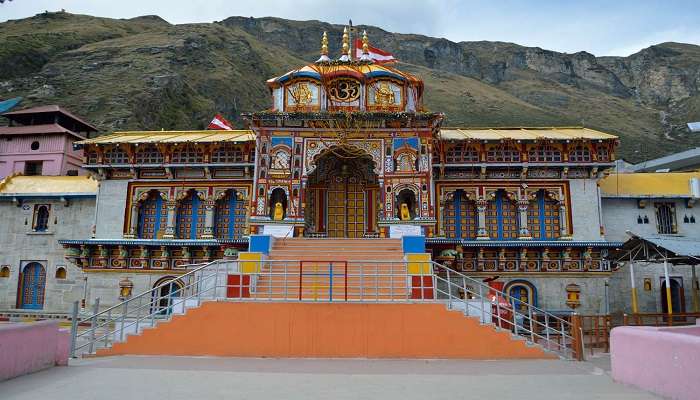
[33, 285]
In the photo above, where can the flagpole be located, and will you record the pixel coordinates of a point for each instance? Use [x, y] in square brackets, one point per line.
[352, 49]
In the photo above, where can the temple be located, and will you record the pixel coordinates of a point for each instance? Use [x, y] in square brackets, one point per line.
[348, 150]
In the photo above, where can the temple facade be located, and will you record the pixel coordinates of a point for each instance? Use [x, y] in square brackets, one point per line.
[348, 150]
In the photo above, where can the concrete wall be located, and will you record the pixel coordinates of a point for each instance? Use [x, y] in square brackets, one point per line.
[20, 246]
[620, 215]
[105, 285]
[28, 348]
[661, 360]
[584, 209]
[55, 151]
[111, 209]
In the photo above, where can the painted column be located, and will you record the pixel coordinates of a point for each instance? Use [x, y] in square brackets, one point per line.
[209, 219]
[133, 222]
[523, 232]
[669, 305]
[481, 233]
[170, 227]
[563, 221]
[635, 307]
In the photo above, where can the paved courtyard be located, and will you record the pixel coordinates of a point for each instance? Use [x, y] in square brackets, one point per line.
[191, 378]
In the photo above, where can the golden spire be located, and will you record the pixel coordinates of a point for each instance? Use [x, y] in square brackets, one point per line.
[365, 47]
[324, 48]
[345, 54]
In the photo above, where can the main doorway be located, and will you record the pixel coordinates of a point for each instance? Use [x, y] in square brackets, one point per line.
[342, 195]
[32, 286]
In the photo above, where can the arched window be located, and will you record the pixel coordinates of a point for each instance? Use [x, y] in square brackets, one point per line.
[504, 153]
[166, 292]
[228, 153]
[580, 153]
[190, 217]
[602, 154]
[116, 155]
[32, 284]
[41, 217]
[188, 155]
[229, 220]
[406, 161]
[152, 217]
[149, 154]
[461, 153]
[460, 217]
[60, 273]
[502, 217]
[544, 153]
[523, 293]
[543, 217]
[5, 271]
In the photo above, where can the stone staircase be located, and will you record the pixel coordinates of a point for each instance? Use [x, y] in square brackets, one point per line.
[334, 270]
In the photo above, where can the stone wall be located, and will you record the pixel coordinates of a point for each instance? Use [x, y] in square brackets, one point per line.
[621, 214]
[585, 210]
[111, 209]
[21, 246]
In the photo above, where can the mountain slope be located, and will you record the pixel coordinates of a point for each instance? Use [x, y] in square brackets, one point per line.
[145, 73]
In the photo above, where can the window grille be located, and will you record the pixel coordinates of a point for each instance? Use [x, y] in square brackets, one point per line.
[502, 217]
[543, 218]
[229, 220]
[461, 153]
[504, 153]
[190, 217]
[665, 218]
[460, 217]
[580, 154]
[603, 154]
[149, 155]
[152, 217]
[116, 156]
[188, 156]
[228, 154]
[544, 153]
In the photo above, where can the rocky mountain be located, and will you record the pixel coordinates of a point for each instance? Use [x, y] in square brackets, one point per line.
[145, 73]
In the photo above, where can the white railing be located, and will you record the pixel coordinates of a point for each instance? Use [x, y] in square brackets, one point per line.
[322, 281]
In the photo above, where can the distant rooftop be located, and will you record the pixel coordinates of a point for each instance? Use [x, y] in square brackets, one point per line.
[683, 161]
[49, 114]
[18, 185]
[694, 127]
[37, 130]
[651, 184]
[523, 133]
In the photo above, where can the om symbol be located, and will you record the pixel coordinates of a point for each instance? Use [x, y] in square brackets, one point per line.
[344, 90]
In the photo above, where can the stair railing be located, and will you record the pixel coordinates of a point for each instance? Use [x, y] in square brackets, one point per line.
[143, 310]
[476, 298]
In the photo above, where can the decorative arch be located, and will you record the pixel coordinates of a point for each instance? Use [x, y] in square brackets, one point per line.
[316, 149]
[32, 285]
[406, 159]
[229, 215]
[278, 194]
[523, 292]
[153, 215]
[189, 220]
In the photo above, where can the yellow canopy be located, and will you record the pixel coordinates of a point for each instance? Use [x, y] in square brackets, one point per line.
[135, 137]
[563, 133]
[20, 184]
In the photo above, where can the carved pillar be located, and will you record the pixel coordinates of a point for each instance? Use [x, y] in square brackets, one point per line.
[170, 227]
[209, 219]
[481, 233]
[523, 232]
[133, 222]
[563, 221]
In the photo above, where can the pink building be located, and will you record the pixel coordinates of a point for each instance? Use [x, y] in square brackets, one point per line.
[39, 141]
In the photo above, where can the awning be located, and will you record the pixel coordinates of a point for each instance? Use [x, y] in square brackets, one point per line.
[497, 134]
[657, 248]
[139, 137]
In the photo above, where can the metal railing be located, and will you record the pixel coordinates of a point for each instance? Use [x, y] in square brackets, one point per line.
[323, 281]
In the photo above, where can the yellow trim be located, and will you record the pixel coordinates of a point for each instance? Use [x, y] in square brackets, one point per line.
[635, 307]
[418, 264]
[669, 304]
[648, 184]
[202, 136]
[524, 133]
[48, 184]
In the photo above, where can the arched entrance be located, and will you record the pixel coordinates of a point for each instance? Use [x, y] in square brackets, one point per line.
[164, 297]
[342, 194]
[32, 286]
[677, 295]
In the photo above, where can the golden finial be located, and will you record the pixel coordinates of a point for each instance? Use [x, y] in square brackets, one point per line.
[345, 54]
[324, 48]
[365, 43]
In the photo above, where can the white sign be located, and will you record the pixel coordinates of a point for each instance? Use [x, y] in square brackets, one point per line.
[398, 231]
[279, 231]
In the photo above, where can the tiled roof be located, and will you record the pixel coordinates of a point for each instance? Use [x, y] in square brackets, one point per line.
[562, 133]
[652, 184]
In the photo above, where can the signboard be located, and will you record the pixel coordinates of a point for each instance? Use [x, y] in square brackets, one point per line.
[399, 231]
[279, 231]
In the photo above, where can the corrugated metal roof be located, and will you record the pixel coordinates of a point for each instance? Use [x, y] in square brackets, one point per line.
[680, 246]
[561, 133]
[37, 130]
[28, 185]
[207, 136]
[651, 184]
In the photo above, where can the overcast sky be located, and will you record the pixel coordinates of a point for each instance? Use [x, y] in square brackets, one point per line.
[609, 27]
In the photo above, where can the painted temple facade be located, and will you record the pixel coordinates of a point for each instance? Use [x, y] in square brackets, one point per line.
[347, 149]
